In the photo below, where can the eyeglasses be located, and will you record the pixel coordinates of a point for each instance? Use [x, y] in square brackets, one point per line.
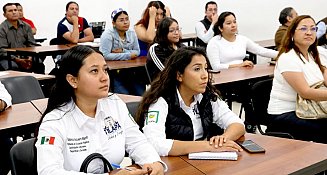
[212, 10]
[122, 20]
[306, 29]
[175, 30]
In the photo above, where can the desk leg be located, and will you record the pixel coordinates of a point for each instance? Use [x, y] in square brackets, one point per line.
[9, 61]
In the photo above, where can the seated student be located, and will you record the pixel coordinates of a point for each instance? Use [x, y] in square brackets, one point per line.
[285, 18]
[146, 27]
[182, 109]
[72, 28]
[80, 112]
[322, 32]
[15, 33]
[298, 66]
[167, 40]
[227, 49]
[5, 143]
[204, 28]
[120, 43]
[21, 17]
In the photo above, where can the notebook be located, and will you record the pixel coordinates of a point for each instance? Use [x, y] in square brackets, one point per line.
[214, 155]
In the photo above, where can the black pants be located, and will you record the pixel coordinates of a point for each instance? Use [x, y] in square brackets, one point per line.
[5, 146]
[301, 129]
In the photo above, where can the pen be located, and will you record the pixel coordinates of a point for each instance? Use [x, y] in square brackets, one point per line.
[119, 167]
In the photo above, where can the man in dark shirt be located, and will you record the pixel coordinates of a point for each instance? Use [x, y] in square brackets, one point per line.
[15, 33]
[72, 28]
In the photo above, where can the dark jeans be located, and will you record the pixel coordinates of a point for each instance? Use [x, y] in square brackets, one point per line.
[128, 81]
[301, 129]
[5, 146]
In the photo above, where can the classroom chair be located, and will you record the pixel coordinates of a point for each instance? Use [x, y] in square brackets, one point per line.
[23, 158]
[23, 88]
[259, 96]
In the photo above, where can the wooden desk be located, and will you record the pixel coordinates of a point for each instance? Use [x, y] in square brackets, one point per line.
[41, 104]
[18, 119]
[138, 62]
[283, 156]
[44, 50]
[189, 37]
[269, 43]
[242, 73]
[11, 73]
[177, 166]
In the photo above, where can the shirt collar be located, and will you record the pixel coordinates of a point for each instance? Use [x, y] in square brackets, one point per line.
[79, 117]
[20, 23]
[197, 98]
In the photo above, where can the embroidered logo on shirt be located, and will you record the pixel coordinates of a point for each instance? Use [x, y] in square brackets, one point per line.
[47, 140]
[112, 127]
[152, 117]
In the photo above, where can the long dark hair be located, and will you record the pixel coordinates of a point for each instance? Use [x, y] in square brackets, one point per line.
[166, 81]
[62, 92]
[163, 31]
[145, 17]
[289, 44]
[220, 22]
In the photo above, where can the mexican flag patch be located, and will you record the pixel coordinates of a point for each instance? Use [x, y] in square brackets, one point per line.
[152, 117]
[47, 140]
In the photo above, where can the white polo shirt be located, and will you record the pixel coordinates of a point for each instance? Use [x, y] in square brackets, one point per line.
[67, 136]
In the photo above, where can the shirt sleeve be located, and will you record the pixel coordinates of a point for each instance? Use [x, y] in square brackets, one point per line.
[213, 53]
[106, 41]
[255, 48]
[223, 116]
[154, 127]
[283, 63]
[321, 29]
[85, 24]
[202, 33]
[4, 95]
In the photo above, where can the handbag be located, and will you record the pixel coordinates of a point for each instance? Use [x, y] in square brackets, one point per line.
[310, 109]
[93, 156]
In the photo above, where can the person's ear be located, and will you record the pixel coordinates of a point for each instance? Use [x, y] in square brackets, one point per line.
[179, 77]
[289, 18]
[113, 24]
[72, 80]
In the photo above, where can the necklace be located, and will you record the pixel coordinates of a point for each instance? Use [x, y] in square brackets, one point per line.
[123, 39]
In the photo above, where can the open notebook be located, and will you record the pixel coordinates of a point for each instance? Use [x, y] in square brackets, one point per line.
[214, 155]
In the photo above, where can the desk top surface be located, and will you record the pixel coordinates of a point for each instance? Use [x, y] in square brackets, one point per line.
[40, 49]
[283, 156]
[11, 73]
[138, 62]
[267, 43]
[242, 73]
[19, 115]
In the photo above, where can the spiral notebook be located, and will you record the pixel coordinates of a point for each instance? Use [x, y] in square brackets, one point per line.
[214, 155]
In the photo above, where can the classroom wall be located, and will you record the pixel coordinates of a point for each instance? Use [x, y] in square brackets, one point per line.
[257, 19]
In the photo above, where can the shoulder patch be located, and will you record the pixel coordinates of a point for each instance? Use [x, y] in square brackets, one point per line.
[152, 117]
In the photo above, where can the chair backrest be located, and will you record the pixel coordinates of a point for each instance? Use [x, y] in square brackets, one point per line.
[23, 158]
[23, 88]
[98, 28]
[260, 96]
[132, 107]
